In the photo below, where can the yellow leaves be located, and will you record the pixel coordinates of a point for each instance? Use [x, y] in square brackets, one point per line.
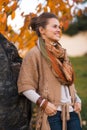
[65, 21]
[3, 17]
[9, 28]
[77, 1]
[27, 39]
[66, 24]
[19, 40]
[59, 6]
[45, 9]
[79, 12]
[4, 2]
[3, 21]
[39, 7]
[61, 24]
[13, 15]
[10, 9]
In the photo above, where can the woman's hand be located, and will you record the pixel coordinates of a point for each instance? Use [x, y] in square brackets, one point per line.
[77, 107]
[50, 109]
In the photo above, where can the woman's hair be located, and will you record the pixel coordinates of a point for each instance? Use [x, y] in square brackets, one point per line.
[41, 21]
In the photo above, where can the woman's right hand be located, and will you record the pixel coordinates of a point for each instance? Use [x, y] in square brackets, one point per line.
[50, 109]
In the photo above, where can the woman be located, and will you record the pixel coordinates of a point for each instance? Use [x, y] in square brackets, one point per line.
[46, 78]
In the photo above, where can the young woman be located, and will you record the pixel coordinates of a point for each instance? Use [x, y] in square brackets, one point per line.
[46, 78]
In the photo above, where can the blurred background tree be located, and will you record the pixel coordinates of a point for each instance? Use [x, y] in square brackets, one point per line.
[79, 21]
[68, 12]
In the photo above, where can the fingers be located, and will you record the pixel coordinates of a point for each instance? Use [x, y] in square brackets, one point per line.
[77, 107]
[52, 114]
[50, 109]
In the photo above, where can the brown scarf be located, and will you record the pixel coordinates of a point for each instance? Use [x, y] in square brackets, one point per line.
[57, 57]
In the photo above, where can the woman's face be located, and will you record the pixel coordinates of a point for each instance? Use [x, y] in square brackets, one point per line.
[52, 31]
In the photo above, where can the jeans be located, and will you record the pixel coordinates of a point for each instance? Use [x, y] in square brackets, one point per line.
[55, 122]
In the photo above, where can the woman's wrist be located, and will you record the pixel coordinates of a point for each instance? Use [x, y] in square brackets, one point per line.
[41, 102]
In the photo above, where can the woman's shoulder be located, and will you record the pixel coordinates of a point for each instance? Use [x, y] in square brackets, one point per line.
[33, 52]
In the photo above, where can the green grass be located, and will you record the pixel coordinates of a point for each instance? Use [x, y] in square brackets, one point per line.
[80, 69]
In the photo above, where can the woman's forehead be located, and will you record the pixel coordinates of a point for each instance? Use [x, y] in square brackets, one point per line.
[53, 21]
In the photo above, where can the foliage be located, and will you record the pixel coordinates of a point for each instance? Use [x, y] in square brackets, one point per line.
[80, 67]
[26, 38]
[79, 25]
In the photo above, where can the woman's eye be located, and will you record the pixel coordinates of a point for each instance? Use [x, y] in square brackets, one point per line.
[55, 26]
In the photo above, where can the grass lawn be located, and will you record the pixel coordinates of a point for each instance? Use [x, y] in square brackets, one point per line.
[80, 69]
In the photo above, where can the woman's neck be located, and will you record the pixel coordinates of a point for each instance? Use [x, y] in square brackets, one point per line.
[47, 41]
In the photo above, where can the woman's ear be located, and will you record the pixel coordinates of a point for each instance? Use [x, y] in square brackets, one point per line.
[41, 30]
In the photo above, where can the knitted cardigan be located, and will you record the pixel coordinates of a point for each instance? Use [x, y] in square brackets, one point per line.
[36, 74]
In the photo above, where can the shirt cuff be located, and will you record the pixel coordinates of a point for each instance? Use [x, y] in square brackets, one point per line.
[31, 95]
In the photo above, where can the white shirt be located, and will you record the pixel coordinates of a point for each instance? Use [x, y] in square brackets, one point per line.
[65, 97]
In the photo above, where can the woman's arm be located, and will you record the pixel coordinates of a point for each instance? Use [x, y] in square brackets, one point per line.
[31, 95]
[77, 98]
[77, 105]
